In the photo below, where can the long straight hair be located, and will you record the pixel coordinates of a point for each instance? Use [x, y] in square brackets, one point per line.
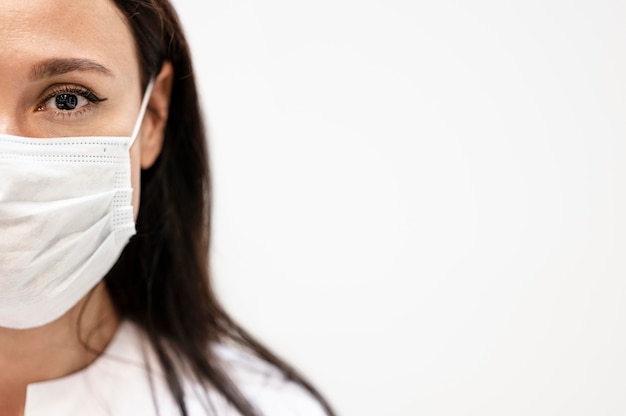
[161, 280]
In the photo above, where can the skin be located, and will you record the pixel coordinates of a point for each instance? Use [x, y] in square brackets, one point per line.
[31, 33]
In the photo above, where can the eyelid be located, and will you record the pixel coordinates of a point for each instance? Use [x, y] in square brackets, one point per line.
[70, 89]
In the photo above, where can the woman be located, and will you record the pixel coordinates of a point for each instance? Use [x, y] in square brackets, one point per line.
[100, 127]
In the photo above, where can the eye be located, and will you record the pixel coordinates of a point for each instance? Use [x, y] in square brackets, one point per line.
[68, 100]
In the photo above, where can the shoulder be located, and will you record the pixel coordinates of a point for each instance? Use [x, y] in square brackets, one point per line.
[265, 386]
[127, 379]
[130, 369]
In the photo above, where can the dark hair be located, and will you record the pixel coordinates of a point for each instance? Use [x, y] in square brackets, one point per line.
[161, 280]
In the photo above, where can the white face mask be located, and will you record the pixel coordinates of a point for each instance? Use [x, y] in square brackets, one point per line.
[66, 214]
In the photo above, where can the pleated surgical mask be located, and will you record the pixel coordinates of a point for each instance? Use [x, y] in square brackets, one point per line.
[66, 214]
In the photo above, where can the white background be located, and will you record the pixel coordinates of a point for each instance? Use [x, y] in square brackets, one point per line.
[421, 204]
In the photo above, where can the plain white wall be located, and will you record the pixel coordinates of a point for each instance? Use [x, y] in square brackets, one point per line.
[421, 203]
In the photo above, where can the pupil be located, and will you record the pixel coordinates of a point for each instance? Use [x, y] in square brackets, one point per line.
[66, 101]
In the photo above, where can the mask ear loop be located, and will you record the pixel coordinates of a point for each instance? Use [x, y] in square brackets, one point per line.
[142, 111]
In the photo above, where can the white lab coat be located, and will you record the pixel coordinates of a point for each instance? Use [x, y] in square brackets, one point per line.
[118, 384]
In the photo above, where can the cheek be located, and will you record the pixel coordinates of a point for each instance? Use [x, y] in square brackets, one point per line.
[135, 172]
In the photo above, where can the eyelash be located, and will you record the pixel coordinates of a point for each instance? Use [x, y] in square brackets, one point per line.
[76, 90]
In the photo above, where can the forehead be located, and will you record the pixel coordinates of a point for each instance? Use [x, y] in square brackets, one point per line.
[36, 30]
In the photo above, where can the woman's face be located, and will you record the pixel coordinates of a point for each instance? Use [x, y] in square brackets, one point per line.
[68, 68]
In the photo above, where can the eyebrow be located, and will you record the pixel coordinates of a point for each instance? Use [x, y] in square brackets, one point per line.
[59, 66]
